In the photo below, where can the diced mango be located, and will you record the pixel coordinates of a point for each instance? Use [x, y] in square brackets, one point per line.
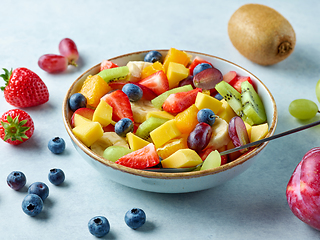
[176, 56]
[78, 120]
[88, 133]
[175, 73]
[160, 114]
[149, 70]
[93, 88]
[248, 127]
[172, 146]
[187, 119]
[258, 132]
[164, 133]
[206, 101]
[103, 114]
[226, 112]
[182, 158]
[136, 142]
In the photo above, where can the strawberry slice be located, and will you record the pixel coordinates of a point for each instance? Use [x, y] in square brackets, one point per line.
[177, 102]
[120, 104]
[197, 60]
[105, 64]
[143, 158]
[237, 84]
[157, 82]
[230, 77]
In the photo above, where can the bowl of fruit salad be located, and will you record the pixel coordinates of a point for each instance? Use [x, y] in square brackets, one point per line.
[162, 120]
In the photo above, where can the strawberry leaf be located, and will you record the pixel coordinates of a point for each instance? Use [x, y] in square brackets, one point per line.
[14, 129]
[6, 77]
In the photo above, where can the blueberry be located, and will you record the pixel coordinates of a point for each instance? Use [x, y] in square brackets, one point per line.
[56, 176]
[200, 67]
[123, 126]
[207, 116]
[40, 189]
[218, 96]
[16, 180]
[32, 205]
[99, 226]
[134, 92]
[135, 218]
[76, 101]
[153, 56]
[56, 145]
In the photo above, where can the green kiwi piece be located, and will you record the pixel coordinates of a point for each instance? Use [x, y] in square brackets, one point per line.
[113, 153]
[148, 125]
[252, 105]
[231, 95]
[159, 100]
[114, 74]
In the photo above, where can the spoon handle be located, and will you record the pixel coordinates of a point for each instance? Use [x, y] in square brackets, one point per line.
[298, 129]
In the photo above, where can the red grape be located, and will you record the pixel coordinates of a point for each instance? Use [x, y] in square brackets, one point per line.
[53, 63]
[238, 132]
[69, 49]
[200, 136]
[208, 78]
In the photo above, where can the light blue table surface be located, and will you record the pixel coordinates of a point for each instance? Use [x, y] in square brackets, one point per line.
[251, 206]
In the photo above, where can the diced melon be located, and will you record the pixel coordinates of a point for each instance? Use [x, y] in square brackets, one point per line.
[213, 160]
[160, 114]
[136, 142]
[175, 73]
[258, 132]
[103, 114]
[88, 133]
[181, 159]
[226, 112]
[206, 101]
[78, 120]
[164, 133]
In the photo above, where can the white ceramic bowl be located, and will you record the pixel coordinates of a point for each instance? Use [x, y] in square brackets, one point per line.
[172, 182]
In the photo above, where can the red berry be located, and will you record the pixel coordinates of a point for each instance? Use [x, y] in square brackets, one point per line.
[16, 126]
[157, 82]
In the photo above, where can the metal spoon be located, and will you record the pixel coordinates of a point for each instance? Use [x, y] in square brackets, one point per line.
[177, 170]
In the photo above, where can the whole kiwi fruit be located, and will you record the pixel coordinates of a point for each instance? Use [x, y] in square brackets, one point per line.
[261, 34]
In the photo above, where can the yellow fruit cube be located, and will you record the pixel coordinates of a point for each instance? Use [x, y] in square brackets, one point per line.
[93, 88]
[177, 56]
[248, 127]
[182, 158]
[160, 114]
[206, 101]
[149, 70]
[88, 133]
[175, 73]
[172, 146]
[78, 120]
[164, 133]
[103, 114]
[136, 142]
[187, 119]
[258, 132]
[226, 112]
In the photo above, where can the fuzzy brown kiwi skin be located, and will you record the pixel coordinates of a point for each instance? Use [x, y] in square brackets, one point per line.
[261, 34]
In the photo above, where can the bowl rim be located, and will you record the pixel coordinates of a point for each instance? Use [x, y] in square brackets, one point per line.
[160, 175]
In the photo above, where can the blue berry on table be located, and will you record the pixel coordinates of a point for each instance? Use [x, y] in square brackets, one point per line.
[200, 67]
[56, 176]
[153, 56]
[134, 92]
[135, 218]
[99, 226]
[206, 115]
[123, 126]
[16, 180]
[40, 189]
[77, 100]
[56, 145]
[32, 205]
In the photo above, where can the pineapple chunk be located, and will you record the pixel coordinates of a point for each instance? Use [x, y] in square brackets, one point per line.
[182, 158]
[136, 142]
[258, 132]
[164, 133]
[88, 133]
[226, 112]
[175, 73]
[103, 114]
[206, 101]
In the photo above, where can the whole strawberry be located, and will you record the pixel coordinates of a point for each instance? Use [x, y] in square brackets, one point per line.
[16, 126]
[24, 88]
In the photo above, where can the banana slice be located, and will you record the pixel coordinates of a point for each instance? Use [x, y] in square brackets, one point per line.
[220, 135]
[108, 139]
[135, 68]
[140, 110]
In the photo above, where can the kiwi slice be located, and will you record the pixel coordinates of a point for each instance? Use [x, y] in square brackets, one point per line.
[231, 95]
[114, 74]
[252, 105]
[158, 101]
[148, 125]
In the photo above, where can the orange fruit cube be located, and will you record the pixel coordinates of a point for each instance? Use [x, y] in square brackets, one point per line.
[187, 119]
[172, 146]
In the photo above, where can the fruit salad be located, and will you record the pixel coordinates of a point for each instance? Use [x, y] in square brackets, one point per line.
[172, 111]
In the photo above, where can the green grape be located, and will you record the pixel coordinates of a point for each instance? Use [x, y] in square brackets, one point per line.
[303, 109]
[318, 90]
